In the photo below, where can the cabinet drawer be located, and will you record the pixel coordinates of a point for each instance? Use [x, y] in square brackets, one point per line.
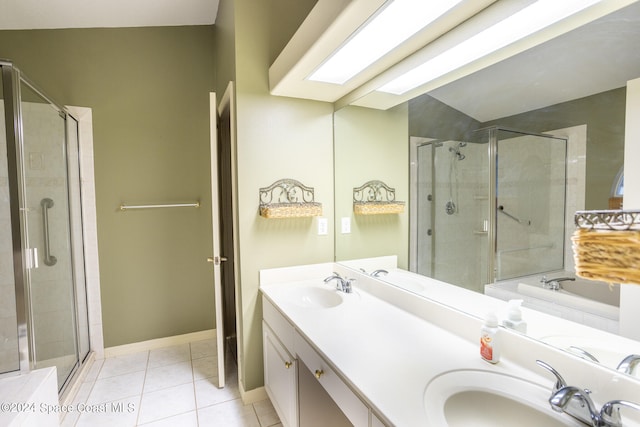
[355, 410]
[278, 324]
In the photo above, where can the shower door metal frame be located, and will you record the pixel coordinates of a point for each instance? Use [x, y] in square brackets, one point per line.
[414, 147]
[13, 120]
[493, 186]
[11, 80]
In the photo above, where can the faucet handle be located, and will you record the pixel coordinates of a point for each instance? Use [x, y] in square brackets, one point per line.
[543, 279]
[348, 285]
[610, 412]
[629, 363]
[333, 276]
[379, 272]
[560, 382]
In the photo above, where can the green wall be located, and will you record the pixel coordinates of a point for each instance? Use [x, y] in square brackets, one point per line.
[277, 138]
[149, 91]
[603, 113]
[371, 145]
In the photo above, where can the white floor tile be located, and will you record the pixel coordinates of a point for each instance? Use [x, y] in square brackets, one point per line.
[168, 376]
[120, 413]
[206, 367]
[114, 388]
[203, 348]
[172, 386]
[126, 364]
[83, 393]
[208, 394]
[266, 413]
[169, 355]
[228, 414]
[166, 403]
[189, 419]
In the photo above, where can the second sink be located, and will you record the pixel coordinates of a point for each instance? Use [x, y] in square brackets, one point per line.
[483, 398]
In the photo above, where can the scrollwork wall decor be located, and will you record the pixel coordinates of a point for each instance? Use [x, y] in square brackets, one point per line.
[288, 198]
[376, 198]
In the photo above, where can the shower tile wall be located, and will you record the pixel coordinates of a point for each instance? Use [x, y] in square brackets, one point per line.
[9, 358]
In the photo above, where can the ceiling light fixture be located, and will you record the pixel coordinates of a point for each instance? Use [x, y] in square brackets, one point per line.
[526, 22]
[395, 23]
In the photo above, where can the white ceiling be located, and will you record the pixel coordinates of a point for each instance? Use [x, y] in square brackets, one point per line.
[44, 14]
[598, 57]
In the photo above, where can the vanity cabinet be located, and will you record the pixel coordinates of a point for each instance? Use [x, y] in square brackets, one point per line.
[280, 377]
[280, 366]
[303, 387]
[352, 407]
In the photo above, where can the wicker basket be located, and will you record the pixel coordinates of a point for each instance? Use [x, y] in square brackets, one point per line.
[291, 210]
[606, 246]
[378, 208]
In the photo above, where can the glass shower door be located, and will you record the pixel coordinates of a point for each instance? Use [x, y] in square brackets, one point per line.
[530, 204]
[452, 212]
[47, 235]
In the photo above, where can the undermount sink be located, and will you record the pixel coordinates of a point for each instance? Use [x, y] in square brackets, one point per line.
[483, 398]
[315, 297]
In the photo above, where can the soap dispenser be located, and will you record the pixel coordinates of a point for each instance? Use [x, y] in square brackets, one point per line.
[489, 343]
[514, 316]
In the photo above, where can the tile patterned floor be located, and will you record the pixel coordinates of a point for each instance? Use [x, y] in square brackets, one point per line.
[170, 386]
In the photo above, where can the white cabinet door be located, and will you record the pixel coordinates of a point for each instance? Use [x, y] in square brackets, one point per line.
[280, 378]
[350, 404]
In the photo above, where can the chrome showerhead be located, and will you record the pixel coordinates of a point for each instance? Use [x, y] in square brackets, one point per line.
[456, 150]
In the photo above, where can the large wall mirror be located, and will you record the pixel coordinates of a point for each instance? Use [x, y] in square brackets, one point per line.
[493, 167]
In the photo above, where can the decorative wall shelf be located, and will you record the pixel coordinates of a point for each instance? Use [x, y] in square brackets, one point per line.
[376, 198]
[288, 198]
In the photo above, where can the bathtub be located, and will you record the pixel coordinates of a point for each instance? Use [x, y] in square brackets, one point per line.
[30, 399]
[593, 303]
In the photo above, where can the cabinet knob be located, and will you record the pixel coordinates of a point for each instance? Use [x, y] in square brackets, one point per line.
[287, 364]
[319, 373]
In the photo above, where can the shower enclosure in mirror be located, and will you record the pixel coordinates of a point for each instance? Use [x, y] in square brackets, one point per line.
[43, 318]
[490, 208]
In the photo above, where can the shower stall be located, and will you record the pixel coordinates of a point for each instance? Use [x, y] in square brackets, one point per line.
[488, 208]
[43, 309]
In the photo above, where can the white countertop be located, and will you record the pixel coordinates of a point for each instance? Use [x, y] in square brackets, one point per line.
[387, 355]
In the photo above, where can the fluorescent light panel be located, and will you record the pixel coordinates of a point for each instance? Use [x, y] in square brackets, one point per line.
[394, 24]
[521, 24]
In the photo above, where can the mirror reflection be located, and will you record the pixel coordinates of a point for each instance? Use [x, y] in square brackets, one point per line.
[497, 164]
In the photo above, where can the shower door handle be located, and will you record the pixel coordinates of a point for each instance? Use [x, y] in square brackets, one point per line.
[47, 204]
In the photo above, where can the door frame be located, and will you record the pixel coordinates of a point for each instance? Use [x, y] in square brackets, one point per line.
[226, 103]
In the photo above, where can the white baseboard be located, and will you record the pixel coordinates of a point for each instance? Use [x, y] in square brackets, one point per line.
[252, 396]
[158, 343]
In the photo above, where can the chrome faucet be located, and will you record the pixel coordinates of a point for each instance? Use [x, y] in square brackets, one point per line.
[583, 353]
[577, 403]
[611, 417]
[342, 284]
[554, 284]
[564, 400]
[608, 416]
[375, 273]
[629, 364]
